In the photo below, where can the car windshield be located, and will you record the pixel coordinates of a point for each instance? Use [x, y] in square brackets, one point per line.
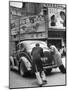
[30, 44]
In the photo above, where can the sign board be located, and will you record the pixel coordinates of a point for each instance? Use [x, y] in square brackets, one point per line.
[33, 36]
[30, 24]
[30, 36]
[57, 18]
[14, 26]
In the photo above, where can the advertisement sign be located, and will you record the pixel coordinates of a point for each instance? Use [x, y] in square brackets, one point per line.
[28, 24]
[32, 24]
[57, 18]
[14, 26]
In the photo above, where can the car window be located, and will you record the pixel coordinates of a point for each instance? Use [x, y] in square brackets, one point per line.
[21, 46]
[17, 47]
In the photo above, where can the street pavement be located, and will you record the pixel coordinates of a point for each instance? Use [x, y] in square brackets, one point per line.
[53, 79]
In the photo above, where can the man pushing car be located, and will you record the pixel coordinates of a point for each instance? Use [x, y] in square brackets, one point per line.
[37, 54]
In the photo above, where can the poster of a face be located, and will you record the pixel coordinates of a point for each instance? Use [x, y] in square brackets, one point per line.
[57, 18]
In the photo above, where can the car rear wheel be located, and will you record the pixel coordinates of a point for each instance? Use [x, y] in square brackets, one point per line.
[48, 71]
[62, 68]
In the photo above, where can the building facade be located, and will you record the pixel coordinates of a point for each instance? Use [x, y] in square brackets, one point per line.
[33, 21]
[57, 25]
[27, 23]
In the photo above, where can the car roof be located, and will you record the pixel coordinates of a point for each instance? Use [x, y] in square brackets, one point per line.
[31, 42]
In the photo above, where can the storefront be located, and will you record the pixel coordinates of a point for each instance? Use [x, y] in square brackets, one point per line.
[57, 38]
[57, 25]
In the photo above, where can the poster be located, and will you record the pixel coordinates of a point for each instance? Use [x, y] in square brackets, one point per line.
[57, 18]
[28, 24]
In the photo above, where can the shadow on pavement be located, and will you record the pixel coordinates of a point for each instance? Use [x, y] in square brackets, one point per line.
[32, 76]
[27, 75]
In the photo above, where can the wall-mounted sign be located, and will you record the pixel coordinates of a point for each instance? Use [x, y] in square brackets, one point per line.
[28, 24]
[57, 18]
[14, 26]
[32, 24]
[33, 36]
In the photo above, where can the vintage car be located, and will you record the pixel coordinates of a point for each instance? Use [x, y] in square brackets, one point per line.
[21, 59]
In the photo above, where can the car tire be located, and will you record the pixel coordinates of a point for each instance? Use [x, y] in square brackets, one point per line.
[62, 68]
[48, 71]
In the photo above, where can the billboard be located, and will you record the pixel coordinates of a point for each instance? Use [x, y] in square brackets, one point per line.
[57, 18]
[30, 24]
[14, 26]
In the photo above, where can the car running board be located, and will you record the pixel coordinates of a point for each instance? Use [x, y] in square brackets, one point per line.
[53, 66]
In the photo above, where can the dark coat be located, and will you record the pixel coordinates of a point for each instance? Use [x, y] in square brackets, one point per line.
[37, 53]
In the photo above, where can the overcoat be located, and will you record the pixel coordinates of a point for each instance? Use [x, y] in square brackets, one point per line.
[37, 53]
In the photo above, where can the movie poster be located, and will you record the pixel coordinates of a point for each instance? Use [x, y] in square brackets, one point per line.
[57, 18]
